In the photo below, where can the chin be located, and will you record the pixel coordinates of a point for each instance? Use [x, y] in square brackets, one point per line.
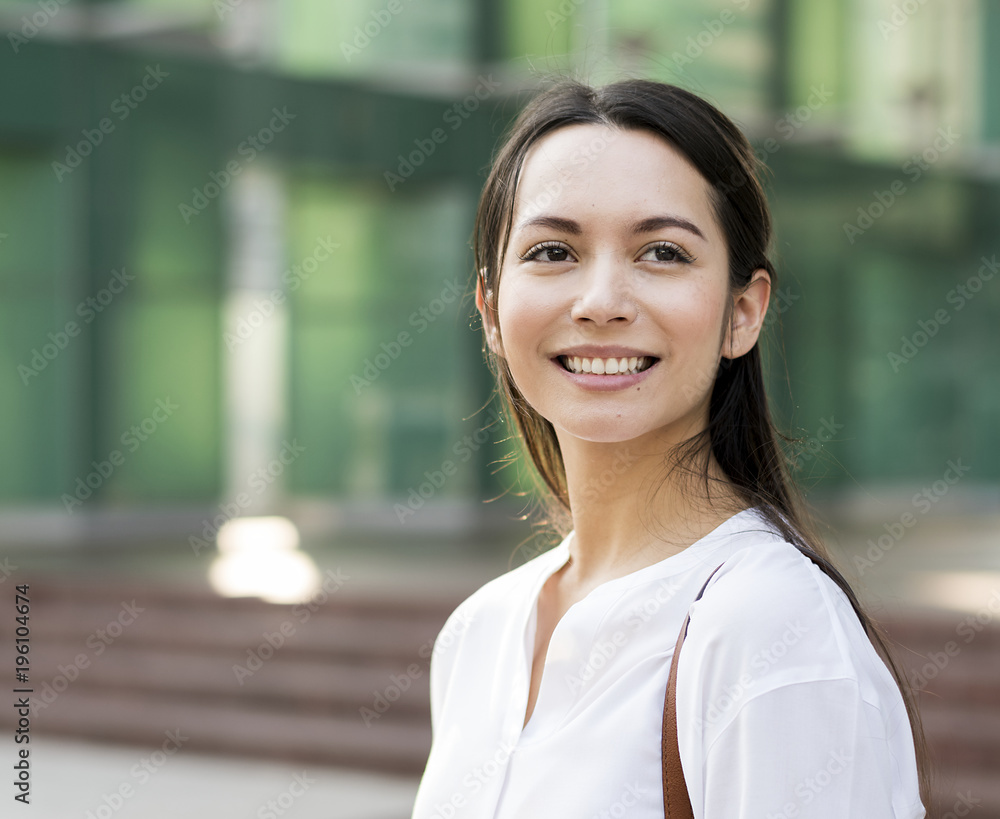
[602, 431]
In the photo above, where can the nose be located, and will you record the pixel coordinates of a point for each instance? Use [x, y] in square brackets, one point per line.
[605, 292]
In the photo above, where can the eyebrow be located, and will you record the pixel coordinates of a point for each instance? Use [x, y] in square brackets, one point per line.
[647, 225]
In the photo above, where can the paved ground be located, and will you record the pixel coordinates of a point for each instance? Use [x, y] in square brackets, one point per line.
[76, 779]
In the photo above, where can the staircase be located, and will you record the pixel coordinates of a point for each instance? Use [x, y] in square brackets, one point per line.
[343, 680]
[956, 667]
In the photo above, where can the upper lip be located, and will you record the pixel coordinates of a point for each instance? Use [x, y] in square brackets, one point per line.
[601, 351]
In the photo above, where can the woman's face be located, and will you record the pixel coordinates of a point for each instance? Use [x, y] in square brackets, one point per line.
[614, 287]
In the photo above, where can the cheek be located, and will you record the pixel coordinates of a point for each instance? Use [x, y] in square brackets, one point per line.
[523, 312]
[693, 307]
[693, 318]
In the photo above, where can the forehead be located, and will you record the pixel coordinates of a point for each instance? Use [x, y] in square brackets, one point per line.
[609, 173]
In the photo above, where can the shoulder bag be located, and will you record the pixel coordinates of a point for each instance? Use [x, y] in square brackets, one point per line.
[676, 802]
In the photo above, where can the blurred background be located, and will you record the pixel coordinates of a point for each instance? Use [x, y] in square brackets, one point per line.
[250, 456]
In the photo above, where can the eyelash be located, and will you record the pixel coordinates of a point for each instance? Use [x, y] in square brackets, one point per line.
[682, 255]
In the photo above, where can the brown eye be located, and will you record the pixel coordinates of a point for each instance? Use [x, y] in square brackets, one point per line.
[547, 252]
[667, 253]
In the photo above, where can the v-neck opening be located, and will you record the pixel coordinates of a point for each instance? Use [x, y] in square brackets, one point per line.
[679, 561]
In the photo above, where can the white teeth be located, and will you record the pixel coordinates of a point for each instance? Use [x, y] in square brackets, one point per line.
[606, 366]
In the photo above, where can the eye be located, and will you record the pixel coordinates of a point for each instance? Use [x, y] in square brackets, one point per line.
[548, 251]
[668, 252]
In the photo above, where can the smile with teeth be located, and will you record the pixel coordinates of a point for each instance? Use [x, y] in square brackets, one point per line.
[607, 366]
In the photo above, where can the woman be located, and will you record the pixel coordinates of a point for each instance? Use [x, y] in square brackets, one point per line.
[621, 243]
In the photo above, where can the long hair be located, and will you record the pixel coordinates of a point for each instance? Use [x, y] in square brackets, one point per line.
[740, 432]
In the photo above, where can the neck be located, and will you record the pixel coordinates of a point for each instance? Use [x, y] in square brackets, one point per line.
[630, 512]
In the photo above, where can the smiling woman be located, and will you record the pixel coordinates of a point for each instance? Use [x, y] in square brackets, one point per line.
[621, 244]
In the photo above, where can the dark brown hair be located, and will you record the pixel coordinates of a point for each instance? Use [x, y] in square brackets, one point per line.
[740, 432]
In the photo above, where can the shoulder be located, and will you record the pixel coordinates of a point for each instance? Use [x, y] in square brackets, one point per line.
[764, 583]
[771, 617]
[778, 673]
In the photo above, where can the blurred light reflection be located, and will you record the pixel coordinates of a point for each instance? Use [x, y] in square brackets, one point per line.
[260, 557]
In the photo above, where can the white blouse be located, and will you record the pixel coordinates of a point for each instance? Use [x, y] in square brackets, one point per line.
[784, 707]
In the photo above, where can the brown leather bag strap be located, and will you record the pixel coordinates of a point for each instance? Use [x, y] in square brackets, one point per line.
[676, 802]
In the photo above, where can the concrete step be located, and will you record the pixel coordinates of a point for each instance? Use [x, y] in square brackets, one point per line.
[964, 737]
[338, 681]
[231, 727]
[327, 632]
[296, 684]
[967, 794]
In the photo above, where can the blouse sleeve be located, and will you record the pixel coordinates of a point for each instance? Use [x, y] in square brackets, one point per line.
[790, 712]
[812, 749]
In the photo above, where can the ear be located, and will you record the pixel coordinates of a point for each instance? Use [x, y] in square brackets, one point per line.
[489, 326]
[749, 309]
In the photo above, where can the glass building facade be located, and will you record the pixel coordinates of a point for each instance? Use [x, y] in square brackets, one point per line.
[236, 233]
